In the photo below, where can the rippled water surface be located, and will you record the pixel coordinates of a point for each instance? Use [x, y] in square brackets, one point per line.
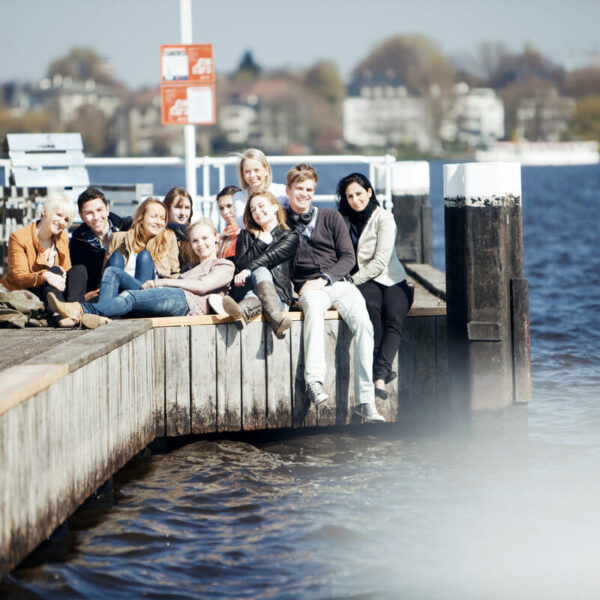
[504, 507]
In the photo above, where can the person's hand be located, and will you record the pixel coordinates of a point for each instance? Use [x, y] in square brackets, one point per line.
[55, 280]
[313, 284]
[90, 295]
[151, 283]
[240, 278]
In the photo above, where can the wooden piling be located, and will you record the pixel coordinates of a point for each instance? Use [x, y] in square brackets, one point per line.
[488, 312]
[412, 211]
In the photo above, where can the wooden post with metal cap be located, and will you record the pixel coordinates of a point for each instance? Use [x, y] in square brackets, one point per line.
[486, 291]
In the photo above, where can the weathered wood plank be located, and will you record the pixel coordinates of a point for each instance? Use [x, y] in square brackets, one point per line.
[424, 343]
[203, 350]
[254, 377]
[156, 367]
[344, 383]
[301, 414]
[229, 389]
[326, 412]
[406, 368]
[20, 382]
[84, 349]
[441, 367]
[177, 381]
[279, 380]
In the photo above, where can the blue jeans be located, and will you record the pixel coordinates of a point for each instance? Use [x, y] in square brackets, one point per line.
[144, 265]
[153, 302]
[258, 275]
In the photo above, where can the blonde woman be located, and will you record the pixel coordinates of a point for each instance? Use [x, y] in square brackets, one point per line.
[38, 256]
[148, 248]
[164, 297]
[255, 176]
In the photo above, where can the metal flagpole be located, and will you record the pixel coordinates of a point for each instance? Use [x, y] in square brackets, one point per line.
[189, 131]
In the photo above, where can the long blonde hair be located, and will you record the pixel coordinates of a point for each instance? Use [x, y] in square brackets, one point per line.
[255, 154]
[158, 245]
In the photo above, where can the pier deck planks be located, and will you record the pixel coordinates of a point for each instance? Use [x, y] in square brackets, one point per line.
[76, 405]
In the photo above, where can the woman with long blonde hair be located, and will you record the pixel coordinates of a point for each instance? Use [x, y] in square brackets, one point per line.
[255, 176]
[163, 297]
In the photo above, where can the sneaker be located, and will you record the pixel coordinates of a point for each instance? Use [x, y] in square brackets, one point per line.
[368, 411]
[316, 393]
[215, 301]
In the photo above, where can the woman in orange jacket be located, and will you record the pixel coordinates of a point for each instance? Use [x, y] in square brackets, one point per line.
[38, 256]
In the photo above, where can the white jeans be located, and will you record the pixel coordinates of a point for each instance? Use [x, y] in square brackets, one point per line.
[350, 303]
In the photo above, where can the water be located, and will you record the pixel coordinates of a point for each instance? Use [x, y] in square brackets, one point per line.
[503, 507]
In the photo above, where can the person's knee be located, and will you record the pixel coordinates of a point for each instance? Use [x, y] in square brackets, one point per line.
[116, 259]
[56, 269]
[261, 274]
[313, 303]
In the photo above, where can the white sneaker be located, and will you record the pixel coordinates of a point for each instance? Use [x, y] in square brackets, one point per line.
[368, 411]
[215, 301]
[316, 393]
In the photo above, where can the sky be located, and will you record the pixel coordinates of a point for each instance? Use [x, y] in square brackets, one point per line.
[283, 34]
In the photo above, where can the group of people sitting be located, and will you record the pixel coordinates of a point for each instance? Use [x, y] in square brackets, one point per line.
[278, 251]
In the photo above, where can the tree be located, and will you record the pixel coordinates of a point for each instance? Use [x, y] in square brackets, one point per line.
[414, 59]
[82, 64]
[248, 69]
[585, 123]
[583, 82]
[324, 79]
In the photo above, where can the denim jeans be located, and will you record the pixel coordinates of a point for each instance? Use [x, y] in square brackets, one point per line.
[153, 302]
[144, 265]
[350, 303]
[258, 275]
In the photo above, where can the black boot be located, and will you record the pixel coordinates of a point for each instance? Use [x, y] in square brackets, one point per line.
[267, 293]
[244, 310]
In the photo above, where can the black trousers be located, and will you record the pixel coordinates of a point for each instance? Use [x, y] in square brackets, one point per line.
[74, 290]
[387, 307]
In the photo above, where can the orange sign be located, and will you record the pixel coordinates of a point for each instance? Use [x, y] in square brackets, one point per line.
[188, 104]
[187, 88]
[191, 63]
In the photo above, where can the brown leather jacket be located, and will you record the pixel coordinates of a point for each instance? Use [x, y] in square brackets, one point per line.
[26, 262]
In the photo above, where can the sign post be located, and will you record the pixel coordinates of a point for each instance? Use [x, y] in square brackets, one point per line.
[187, 90]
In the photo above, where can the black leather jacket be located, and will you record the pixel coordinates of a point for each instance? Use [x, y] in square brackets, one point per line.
[279, 257]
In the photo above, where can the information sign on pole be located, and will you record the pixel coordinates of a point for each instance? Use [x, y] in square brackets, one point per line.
[187, 84]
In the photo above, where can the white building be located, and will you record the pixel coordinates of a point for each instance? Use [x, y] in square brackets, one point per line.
[473, 116]
[380, 111]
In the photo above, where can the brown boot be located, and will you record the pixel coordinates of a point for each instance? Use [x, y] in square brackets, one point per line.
[73, 311]
[267, 293]
[67, 310]
[242, 311]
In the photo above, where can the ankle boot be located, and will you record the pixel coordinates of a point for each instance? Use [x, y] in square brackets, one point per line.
[244, 310]
[67, 310]
[267, 293]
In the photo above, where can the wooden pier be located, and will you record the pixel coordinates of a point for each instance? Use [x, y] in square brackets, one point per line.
[76, 405]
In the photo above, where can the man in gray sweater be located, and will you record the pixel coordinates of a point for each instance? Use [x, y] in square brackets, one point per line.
[325, 258]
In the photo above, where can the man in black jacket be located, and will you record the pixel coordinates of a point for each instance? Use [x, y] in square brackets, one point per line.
[89, 241]
[324, 260]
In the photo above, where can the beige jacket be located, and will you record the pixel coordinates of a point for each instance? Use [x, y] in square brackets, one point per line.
[376, 251]
[168, 266]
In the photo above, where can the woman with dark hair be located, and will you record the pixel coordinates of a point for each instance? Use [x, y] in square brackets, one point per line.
[179, 208]
[378, 273]
[264, 258]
